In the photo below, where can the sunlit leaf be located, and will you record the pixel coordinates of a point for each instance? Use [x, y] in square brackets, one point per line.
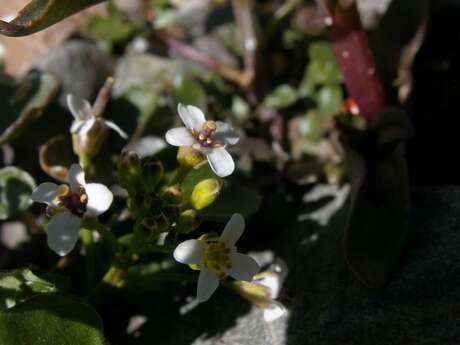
[16, 286]
[52, 320]
[40, 14]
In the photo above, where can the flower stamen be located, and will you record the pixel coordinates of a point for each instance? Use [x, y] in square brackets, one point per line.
[216, 258]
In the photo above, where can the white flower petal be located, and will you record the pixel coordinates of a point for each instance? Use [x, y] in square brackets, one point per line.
[233, 230]
[207, 284]
[275, 311]
[225, 134]
[243, 267]
[272, 281]
[180, 137]
[45, 193]
[76, 177]
[79, 107]
[192, 117]
[99, 199]
[76, 126]
[63, 230]
[221, 161]
[116, 128]
[189, 252]
[86, 126]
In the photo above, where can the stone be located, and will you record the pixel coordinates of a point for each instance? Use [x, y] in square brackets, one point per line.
[419, 305]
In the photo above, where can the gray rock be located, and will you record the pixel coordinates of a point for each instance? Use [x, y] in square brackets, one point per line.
[80, 67]
[419, 305]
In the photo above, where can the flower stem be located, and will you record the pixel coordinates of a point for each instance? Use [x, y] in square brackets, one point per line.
[181, 173]
[355, 58]
[85, 163]
[93, 224]
[90, 259]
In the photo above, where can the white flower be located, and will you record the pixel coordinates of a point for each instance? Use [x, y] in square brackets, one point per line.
[265, 288]
[209, 137]
[68, 205]
[85, 120]
[217, 258]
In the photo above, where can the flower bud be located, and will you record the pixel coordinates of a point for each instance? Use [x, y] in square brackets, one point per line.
[189, 220]
[152, 173]
[172, 194]
[90, 143]
[171, 211]
[150, 228]
[205, 193]
[189, 157]
[140, 204]
[129, 170]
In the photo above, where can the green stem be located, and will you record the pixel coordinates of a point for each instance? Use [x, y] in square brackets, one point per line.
[85, 163]
[90, 258]
[93, 224]
[181, 173]
[113, 277]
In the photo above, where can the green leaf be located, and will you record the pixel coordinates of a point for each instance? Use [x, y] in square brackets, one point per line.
[189, 91]
[29, 101]
[16, 186]
[282, 97]
[19, 285]
[51, 320]
[235, 198]
[379, 213]
[111, 28]
[322, 69]
[329, 100]
[40, 14]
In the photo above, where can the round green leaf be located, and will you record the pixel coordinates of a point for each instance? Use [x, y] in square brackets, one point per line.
[16, 186]
[50, 320]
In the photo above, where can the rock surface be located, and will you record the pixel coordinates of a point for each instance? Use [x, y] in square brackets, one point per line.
[419, 305]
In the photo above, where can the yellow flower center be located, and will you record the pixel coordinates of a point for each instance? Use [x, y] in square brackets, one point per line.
[216, 258]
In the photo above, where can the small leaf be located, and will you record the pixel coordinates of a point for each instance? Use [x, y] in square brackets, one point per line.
[52, 320]
[37, 90]
[16, 286]
[40, 14]
[16, 186]
[189, 91]
[234, 198]
[282, 97]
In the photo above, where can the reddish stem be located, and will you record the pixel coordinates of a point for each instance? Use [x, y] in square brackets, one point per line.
[356, 60]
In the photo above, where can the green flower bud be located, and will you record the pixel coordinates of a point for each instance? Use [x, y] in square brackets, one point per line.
[189, 220]
[152, 173]
[172, 194]
[140, 204]
[190, 158]
[205, 193]
[150, 228]
[171, 211]
[146, 230]
[129, 170]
